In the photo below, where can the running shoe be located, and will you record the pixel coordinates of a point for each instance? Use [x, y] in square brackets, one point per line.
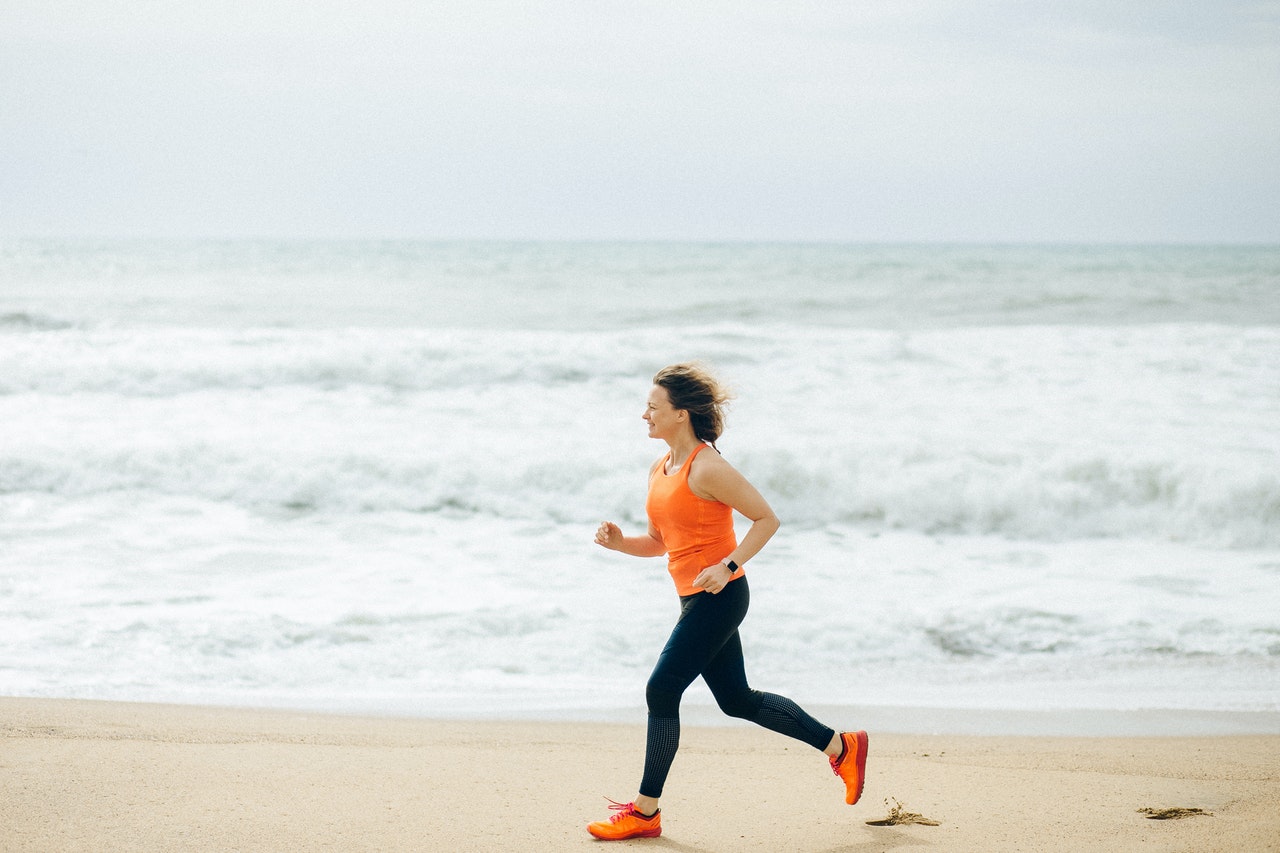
[627, 823]
[852, 765]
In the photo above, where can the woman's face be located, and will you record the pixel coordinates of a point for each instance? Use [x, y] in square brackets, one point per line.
[663, 419]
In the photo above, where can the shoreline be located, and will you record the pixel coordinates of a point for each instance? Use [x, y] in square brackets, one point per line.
[695, 710]
[919, 720]
[105, 776]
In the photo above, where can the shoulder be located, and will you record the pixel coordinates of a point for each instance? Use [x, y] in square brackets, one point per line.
[708, 459]
[710, 467]
[716, 479]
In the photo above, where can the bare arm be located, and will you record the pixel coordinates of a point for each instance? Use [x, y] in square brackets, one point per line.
[715, 479]
[650, 544]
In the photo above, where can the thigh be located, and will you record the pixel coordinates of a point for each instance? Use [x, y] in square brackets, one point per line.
[726, 673]
[706, 627]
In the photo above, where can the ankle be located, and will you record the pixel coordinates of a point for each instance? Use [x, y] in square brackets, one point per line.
[647, 806]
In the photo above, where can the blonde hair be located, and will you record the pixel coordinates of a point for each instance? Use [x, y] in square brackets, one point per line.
[692, 388]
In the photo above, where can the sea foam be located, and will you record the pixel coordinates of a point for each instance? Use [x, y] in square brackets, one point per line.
[367, 477]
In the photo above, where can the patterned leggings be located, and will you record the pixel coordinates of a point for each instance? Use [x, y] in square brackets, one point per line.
[705, 642]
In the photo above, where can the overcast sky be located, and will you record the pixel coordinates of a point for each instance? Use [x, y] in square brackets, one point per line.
[866, 120]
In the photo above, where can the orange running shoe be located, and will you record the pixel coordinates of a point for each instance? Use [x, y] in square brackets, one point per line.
[852, 766]
[627, 823]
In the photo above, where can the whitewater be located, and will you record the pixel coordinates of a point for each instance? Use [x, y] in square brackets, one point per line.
[366, 476]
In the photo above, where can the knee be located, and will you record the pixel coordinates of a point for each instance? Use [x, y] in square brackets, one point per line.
[663, 701]
[742, 704]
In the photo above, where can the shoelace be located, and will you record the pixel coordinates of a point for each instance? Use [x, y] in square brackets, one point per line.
[623, 810]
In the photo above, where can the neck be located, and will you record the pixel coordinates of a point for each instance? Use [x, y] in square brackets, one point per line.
[681, 447]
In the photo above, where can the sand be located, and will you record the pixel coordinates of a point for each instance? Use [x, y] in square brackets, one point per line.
[107, 776]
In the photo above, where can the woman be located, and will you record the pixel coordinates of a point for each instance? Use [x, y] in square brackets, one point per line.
[692, 497]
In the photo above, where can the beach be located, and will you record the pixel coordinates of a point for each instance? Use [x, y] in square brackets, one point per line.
[354, 484]
[106, 776]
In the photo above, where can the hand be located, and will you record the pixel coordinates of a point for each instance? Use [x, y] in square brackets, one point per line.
[713, 578]
[609, 535]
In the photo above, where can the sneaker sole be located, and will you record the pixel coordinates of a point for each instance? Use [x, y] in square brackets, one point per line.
[644, 833]
[860, 738]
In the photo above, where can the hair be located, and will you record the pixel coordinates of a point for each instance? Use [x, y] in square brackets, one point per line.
[692, 388]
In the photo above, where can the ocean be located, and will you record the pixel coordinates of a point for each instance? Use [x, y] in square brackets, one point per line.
[365, 477]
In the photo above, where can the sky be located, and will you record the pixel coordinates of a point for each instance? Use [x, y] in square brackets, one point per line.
[872, 121]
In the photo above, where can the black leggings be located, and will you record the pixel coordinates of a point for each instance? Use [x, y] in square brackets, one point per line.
[705, 642]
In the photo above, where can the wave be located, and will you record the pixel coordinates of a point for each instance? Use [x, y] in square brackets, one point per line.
[1074, 493]
[171, 362]
[1052, 499]
[1035, 433]
[1012, 632]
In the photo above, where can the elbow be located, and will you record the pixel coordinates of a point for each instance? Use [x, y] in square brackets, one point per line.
[770, 523]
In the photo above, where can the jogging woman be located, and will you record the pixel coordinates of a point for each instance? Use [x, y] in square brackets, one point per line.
[692, 496]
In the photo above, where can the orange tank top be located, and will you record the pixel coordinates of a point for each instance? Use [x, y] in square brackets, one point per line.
[697, 532]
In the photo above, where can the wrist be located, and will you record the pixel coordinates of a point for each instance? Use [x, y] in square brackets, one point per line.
[729, 564]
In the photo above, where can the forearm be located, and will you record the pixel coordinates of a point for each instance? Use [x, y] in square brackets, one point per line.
[760, 532]
[648, 544]
[641, 546]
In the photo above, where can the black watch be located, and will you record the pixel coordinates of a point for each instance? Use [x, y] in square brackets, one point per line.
[733, 567]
